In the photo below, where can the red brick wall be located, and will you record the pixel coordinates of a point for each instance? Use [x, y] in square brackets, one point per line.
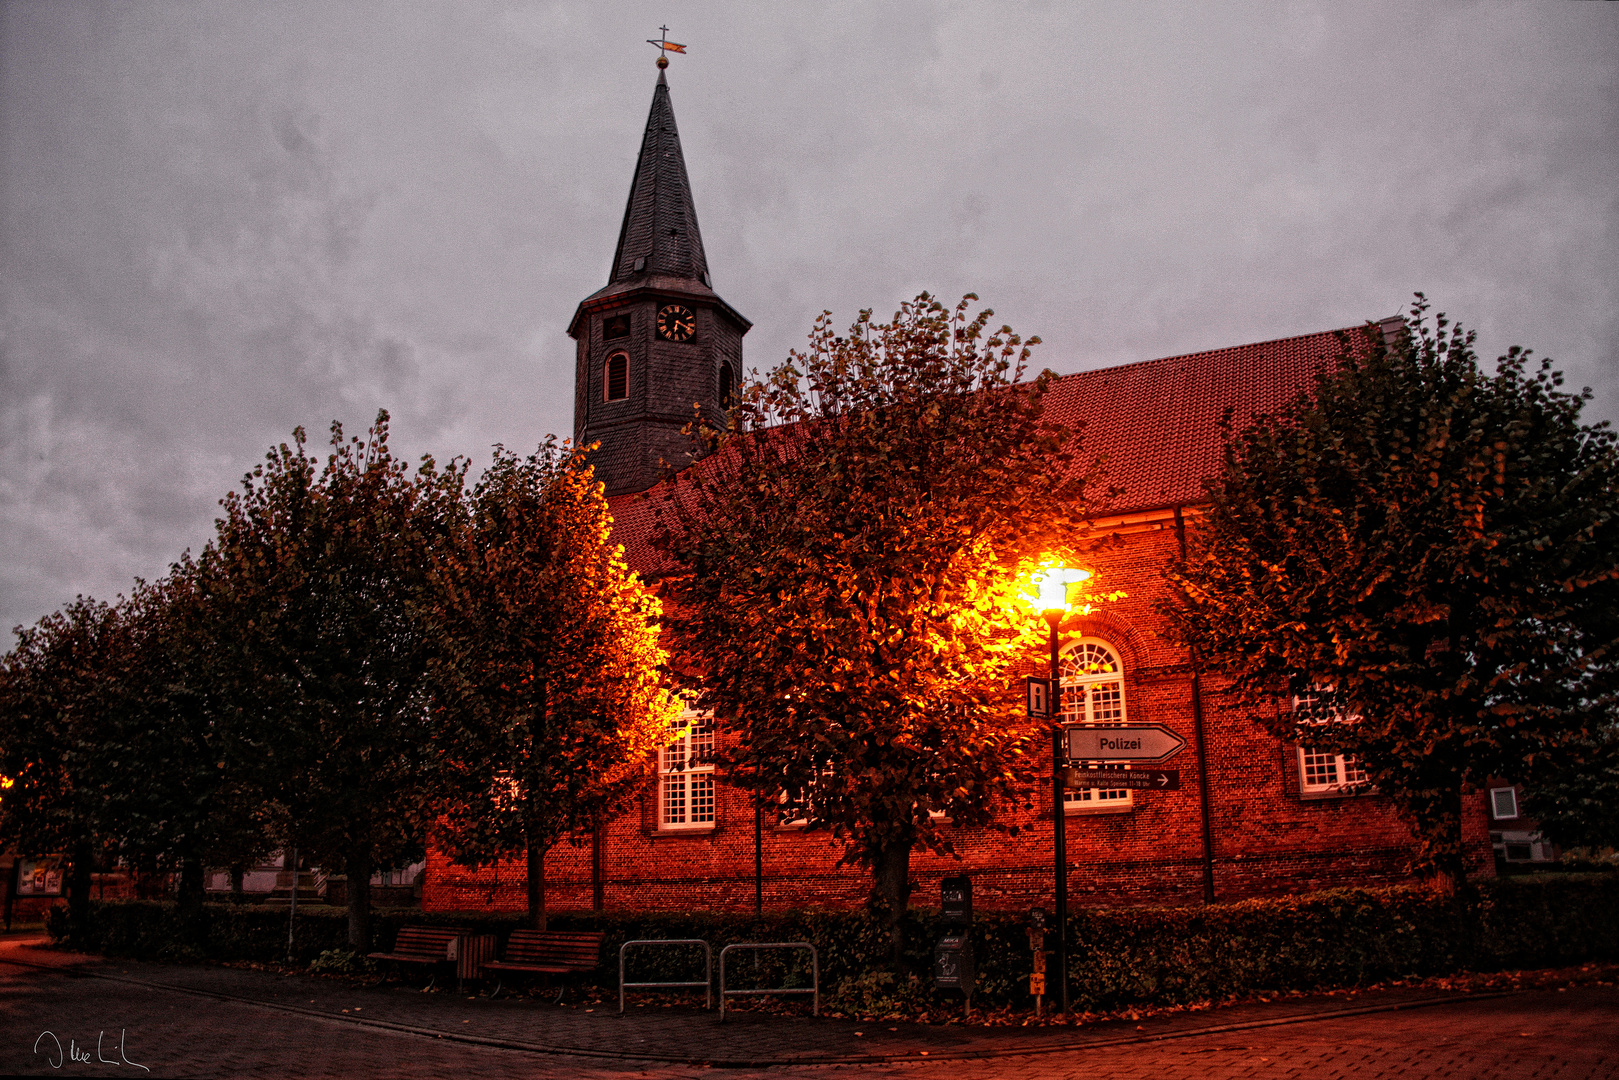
[1267, 840]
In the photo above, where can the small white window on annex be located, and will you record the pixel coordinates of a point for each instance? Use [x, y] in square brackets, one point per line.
[686, 774]
[1093, 693]
[1321, 772]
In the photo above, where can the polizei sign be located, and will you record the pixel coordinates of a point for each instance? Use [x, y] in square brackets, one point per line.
[1148, 742]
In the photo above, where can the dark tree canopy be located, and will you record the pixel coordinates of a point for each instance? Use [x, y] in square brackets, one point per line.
[323, 585]
[360, 651]
[186, 781]
[59, 686]
[853, 563]
[1438, 547]
[115, 746]
[1575, 802]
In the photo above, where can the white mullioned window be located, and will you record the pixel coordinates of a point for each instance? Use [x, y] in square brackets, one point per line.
[686, 774]
[1093, 693]
[1322, 772]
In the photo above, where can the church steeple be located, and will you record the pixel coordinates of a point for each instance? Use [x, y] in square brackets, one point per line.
[659, 234]
[656, 343]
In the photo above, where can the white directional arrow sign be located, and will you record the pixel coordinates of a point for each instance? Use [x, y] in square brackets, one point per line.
[1146, 742]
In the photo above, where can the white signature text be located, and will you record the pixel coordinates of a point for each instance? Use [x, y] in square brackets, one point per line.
[73, 1053]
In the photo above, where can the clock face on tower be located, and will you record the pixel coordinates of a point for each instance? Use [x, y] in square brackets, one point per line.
[676, 323]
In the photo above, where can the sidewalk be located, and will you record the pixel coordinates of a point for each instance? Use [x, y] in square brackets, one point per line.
[689, 1035]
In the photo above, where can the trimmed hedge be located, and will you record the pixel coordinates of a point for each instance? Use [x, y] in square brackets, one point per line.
[1117, 958]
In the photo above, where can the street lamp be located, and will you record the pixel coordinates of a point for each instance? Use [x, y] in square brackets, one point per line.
[1052, 584]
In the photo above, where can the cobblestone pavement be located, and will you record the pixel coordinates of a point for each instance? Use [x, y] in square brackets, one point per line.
[205, 1021]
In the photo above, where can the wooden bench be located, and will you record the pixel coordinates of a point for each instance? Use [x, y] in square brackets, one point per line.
[548, 952]
[433, 945]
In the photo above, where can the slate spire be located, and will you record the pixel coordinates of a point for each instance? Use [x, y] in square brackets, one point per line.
[655, 342]
[659, 235]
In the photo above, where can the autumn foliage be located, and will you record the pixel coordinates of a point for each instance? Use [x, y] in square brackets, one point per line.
[549, 672]
[853, 564]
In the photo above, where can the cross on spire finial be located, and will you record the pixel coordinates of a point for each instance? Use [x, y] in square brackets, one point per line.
[665, 46]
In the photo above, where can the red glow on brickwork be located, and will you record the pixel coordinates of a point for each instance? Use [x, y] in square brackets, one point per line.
[1157, 424]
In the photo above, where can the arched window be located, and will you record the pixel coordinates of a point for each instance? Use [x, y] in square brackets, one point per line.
[727, 386]
[1092, 684]
[1093, 693]
[618, 376]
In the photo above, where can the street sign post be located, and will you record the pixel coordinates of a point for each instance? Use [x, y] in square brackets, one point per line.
[1038, 692]
[1138, 742]
[1132, 780]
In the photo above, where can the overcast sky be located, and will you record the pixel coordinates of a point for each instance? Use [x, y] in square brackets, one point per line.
[223, 220]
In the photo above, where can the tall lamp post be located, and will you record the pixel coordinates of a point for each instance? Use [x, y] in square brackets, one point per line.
[1053, 602]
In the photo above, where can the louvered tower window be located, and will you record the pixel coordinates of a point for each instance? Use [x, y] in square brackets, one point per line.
[618, 376]
[727, 386]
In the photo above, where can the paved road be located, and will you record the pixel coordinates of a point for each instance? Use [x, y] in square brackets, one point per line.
[204, 1022]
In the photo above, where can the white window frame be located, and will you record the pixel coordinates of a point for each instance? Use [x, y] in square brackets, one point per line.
[1093, 706]
[687, 792]
[1322, 773]
[1511, 794]
[1537, 847]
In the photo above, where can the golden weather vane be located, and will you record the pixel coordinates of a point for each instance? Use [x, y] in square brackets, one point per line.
[665, 46]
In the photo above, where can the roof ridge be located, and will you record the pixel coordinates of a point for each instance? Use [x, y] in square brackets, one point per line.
[1208, 352]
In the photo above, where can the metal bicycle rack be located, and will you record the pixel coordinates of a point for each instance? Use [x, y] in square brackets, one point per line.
[815, 972]
[708, 971]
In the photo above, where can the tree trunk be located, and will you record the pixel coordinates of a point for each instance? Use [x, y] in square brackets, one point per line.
[536, 886]
[189, 902]
[358, 868]
[78, 882]
[1436, 816]
[891, 872]
[11, 887]
[237, 893]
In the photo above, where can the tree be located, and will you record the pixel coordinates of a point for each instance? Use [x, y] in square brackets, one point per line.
[115, 745]
[181, 770]
[853, 559]
[1575, 802]
[57, 688]
[550, 671]
[322, 591]
[1433, 550]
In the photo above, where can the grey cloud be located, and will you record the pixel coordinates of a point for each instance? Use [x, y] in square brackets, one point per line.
[220, 222]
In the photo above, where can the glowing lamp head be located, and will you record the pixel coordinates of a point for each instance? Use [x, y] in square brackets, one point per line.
[1052, 587]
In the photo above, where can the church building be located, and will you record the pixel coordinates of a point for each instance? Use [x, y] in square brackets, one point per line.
[1251, 816]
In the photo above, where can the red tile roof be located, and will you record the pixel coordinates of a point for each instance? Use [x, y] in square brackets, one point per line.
[1154, 423]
